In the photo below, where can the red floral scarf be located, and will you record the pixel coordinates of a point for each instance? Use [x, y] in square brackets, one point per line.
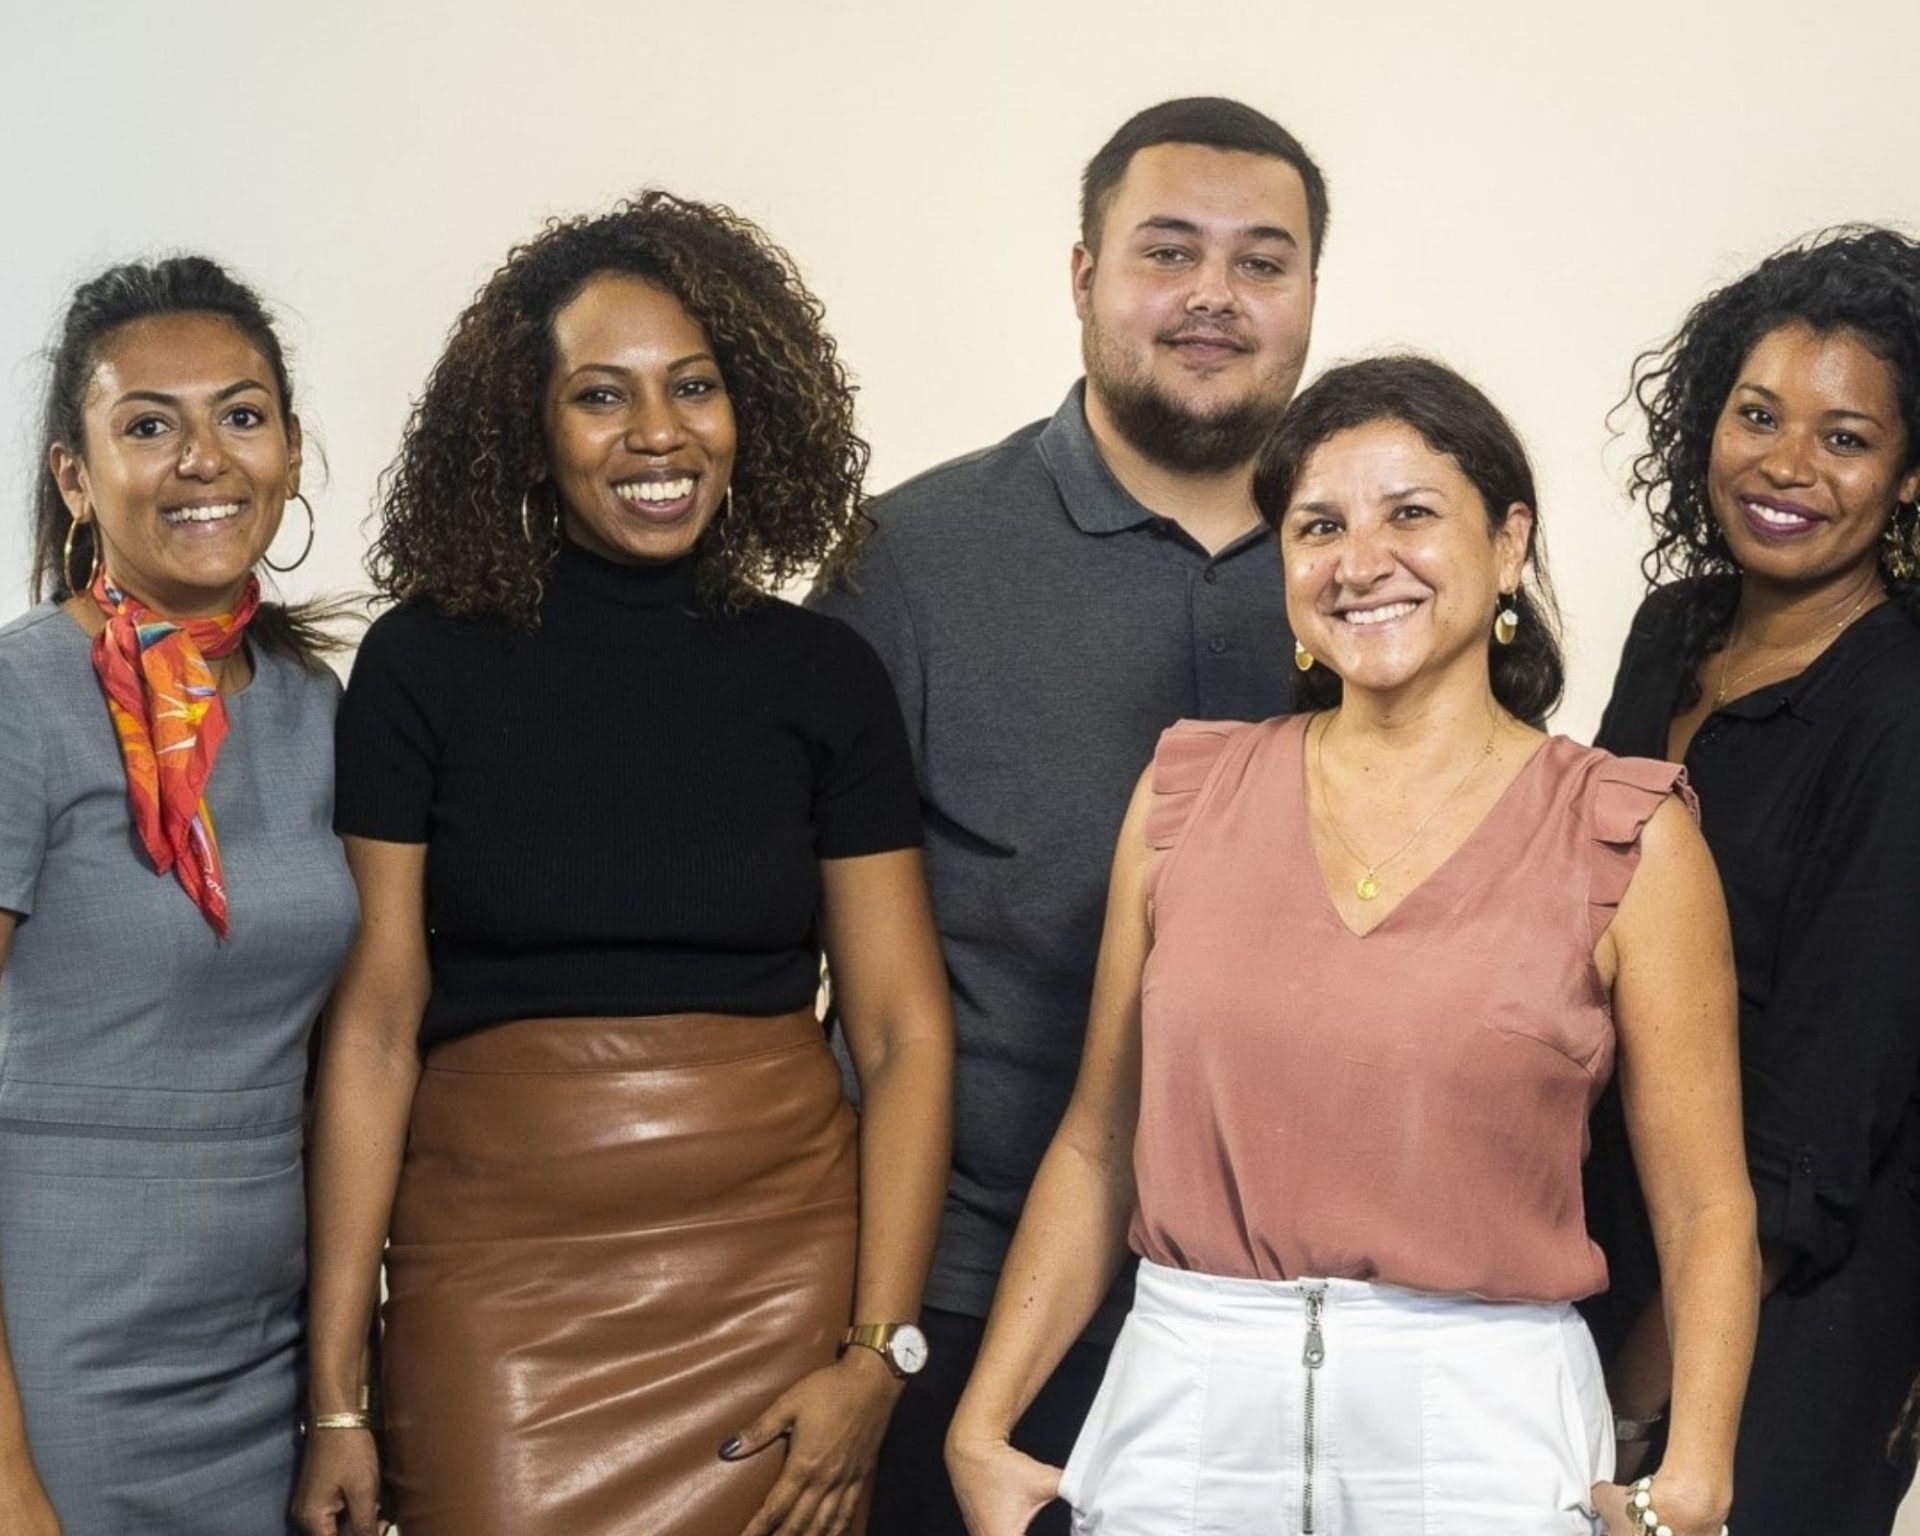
[170, 718]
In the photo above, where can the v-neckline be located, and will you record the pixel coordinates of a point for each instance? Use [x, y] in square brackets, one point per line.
[1329, 905]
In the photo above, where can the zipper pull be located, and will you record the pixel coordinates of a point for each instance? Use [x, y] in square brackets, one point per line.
[1316, 1350]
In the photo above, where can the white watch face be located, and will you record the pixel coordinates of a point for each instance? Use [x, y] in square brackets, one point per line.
[907, 1349]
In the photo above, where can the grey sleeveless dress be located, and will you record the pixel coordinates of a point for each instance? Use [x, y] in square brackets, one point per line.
[152, 1234]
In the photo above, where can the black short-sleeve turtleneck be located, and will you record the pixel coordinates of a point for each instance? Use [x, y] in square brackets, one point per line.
[625, 807]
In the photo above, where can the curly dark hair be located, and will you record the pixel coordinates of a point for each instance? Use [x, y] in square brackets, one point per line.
[1861, 279]
[1456, 419]
[142, 290]
[453, 529]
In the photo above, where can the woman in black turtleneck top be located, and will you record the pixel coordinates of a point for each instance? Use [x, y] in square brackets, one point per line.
[608, 804]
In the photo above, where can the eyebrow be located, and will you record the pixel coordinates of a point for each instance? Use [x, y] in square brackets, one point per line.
[1179, 226]
[678, 362]
[1398, 493]
[158, 397]
[1840, 415]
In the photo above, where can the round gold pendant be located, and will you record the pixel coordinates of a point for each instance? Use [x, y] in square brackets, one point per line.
[1368, 888]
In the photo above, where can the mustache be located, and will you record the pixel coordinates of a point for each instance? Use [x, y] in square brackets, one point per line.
[1211, 333]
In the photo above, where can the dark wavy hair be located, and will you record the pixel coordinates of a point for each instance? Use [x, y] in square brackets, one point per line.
[454, 526]
[1454, 418]
[1858, 278]
[138, 290]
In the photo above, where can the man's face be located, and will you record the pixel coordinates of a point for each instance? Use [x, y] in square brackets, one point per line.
[1196, 312]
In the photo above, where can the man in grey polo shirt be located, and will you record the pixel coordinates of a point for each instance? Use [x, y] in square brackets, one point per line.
[1046, 608]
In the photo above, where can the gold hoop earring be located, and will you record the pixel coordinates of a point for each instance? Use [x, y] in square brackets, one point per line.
[1506, 623]
[1302, 657]
[66, 559]
[306, 549]
[526, 519]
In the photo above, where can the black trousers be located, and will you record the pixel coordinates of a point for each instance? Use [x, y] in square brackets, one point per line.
[912, 1496]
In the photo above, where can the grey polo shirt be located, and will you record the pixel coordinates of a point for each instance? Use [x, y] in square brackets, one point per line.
[1042, 628]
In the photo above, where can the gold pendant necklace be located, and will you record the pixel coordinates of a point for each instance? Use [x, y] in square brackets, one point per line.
[1727, 684]
[1367, 887]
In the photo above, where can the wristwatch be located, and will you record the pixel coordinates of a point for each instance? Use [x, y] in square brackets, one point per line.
[902, 1345]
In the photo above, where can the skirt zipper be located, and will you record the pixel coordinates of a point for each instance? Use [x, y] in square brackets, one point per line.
[1312, 1356]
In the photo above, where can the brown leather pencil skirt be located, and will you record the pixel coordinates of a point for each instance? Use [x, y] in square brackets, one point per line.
[615, 1242]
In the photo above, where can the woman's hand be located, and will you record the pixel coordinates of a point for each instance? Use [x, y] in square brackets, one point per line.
[339, 1489]
[1000, 1489]
[24, 1507]
[1687, 1507]
[833, 1419]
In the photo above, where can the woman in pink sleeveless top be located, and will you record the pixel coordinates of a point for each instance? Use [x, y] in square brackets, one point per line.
[1364, 972]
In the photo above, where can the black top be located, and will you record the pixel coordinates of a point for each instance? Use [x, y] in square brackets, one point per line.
[1810, 801]
[625, 807]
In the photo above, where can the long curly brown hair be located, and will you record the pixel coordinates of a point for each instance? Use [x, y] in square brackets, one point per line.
[464, 522]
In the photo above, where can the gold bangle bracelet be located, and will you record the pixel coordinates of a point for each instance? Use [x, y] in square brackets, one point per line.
[338, 1421]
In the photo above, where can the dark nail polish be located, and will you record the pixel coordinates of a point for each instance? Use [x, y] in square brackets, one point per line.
[731, 1449]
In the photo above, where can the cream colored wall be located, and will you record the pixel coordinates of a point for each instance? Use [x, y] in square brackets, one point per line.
[1532, 191]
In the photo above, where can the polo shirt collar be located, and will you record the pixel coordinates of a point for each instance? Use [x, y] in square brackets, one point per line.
[1094, 497]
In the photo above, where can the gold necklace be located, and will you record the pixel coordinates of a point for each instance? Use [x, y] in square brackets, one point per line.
[1825, 635]
[1367, 887]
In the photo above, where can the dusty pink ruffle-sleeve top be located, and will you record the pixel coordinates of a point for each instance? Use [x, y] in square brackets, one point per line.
[1409, 1106]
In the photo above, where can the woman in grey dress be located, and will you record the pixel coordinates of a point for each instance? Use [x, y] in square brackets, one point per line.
[173, 907]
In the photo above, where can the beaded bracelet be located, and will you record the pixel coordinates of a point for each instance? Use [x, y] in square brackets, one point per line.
[1640, 1509]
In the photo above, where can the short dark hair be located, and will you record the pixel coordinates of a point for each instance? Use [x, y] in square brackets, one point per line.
[100, 307]
[1215, 122]
[1456, 419]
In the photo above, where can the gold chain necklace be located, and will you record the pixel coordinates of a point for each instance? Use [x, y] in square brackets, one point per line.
[1367, 887]
[1726, 657]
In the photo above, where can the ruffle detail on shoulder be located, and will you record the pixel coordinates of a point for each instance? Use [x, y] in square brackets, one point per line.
[1185, 757]
[1626, 793]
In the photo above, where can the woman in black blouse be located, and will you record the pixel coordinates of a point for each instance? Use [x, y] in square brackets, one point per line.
[607, 802]
[1782, 665]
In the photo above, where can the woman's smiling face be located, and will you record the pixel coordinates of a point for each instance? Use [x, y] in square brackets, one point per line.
[640, 432]
[187, 461]
[1393, 570]
[1810, 454]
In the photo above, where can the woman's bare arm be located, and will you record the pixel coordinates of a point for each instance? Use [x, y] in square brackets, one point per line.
[1670, 955]
[23, 1501]
[369, 1067]
[883, 959]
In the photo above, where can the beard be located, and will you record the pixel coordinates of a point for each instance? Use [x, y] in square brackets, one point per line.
[1171, 433]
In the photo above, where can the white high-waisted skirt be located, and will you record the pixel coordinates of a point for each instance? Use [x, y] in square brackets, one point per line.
[1340, 1408]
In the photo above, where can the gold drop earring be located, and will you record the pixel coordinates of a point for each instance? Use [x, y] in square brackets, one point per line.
[1302, 657]
[1506, 623]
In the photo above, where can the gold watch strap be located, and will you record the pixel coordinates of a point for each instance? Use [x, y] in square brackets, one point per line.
[872, 1335]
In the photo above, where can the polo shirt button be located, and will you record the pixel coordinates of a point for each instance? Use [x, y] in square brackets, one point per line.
[1216, 645]
[1212, 575]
